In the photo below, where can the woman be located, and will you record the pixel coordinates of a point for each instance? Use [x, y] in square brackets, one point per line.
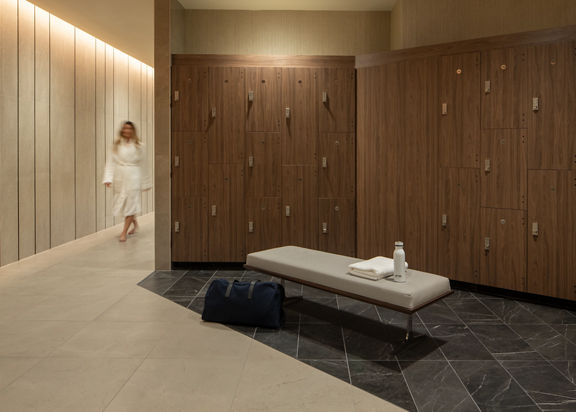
[126, 173]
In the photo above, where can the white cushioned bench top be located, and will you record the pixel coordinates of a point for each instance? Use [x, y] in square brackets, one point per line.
[330, 270]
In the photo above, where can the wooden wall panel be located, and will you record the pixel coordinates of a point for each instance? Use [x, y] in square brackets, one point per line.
[189, 173]
[110, 125]
[190, 243]
[100, 134]
[9, 131]
[227, 100]
[551, 127]
[458, 239]
[300, 129]
[505, 104]
[503, 265]
[150, 126]
[338, 112]
[263, 219]
[62, 153]
[567, 235]
[144, 133]
[337, 226]
[42, 128]
[263, 162]
[459, 79]
[121, 97]
[26, 153]
[135, 109]
[85, 144]
[504, 169]
[190, 110]
[299, 194]
[263, 113]
[336, 160]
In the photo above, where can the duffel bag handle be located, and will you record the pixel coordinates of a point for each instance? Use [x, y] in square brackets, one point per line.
[250, 290]
[229, 289]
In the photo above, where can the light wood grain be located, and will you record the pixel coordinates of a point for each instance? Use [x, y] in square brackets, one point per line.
[110, 128]
[150, 126]
[121, 96]
[135, 109]
[100, 134]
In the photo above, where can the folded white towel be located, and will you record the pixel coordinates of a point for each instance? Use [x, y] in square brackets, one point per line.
[368, 274]
[379, 266]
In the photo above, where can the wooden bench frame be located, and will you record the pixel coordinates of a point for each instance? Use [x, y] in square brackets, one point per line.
[383, 304]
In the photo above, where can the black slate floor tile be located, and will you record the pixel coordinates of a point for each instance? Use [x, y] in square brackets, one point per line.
[310, 292]
[355, 307]
[186, 286]
[439, 314]
[546, 385]
[473, 312]
[551, 315]
[234, 274]
[321, 342]
[392, 317]
[383, 379]
[510, 311]
[200, 274]
[181, 300]
[435, 387]
[159, 282]
[547, 341]
[458, 343]
[568, 331]
[317, 310]
[336, 368]
[250, 275]
[197, 305]
[567, 368]
[284, 340]
[492, 387]
[249, 331]
[460, 294]
[291, 289]
[372, 343]
[503, 343]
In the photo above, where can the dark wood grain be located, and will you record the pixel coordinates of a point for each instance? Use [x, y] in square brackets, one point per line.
[263, 61]
[338, 113]
[265, 215]
[338, 177]
[264, 113]
[337, 226]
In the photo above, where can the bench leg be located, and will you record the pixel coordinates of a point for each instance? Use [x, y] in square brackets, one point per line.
[408, 329]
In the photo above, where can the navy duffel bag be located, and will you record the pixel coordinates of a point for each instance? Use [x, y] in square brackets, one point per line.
[252, 303]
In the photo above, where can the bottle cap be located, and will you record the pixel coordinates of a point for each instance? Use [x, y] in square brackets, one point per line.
[398, 243]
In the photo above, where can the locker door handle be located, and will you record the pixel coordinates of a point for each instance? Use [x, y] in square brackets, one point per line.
[213, 113]
[250, 227]
[486, 244]
[213, 210]
[324, 162]
[176, 161]
[250, 161]
[444, 220]
[487, 165]
[535, 228]
[287, 211]
[444, 109]
[535, 104]
[251, 96]
[324, 228]
[324, 97]
[487, 86]
[176, 95]
[287, 112]
[177, 227]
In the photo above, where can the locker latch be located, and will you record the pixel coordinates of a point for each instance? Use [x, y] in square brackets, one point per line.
[251, 227]
[486, 243]
[213, 210]
[287, 112]
[177, 227]
[213, 113]
[324, 97]
[251, 96]
[487, 165]
[487, 86]
[250, 161]
[444, 220]
[324, 162]
[324, 228]
[287, 211]
[535, 229]
[535, 104]
[444, 109]
[176, 95]
[176, 161]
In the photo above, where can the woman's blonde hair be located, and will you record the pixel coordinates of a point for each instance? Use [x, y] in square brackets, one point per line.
[134, 135]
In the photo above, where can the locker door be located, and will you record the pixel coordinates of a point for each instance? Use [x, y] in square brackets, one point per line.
[226, 213]
[459, 222]
[542, 247]
[503, 262]
[300, 207]
[551, 125]
[190, 93]
[263, 157]
[337, 97]
[300, 129]
[460, 121]
[504, 169]
[337, 226]
[189, 197]
[567, 235]
[264, 103]
[263, 230]
[227, 115]
[336, 165]
[505, 74]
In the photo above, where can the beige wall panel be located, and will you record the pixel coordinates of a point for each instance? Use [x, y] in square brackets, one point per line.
[42, 128]
[26, 195]
[110, 128]
[150, 127]
[284, 32]
[135, 103]
[121, 93]
[8, 131]
[62, 172]
[100, 134]
[85, 134]
[144, 129]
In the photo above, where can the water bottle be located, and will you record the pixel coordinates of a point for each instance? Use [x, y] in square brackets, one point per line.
[399, 262]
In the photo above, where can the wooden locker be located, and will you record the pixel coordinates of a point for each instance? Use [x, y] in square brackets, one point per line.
[336, 165]
[263, 164]
[504, 77]
[503, 251]
[264, 219]
[567, 235]
[226, 213]
[337, 97]
[504, 169]
[189, 164]
[459, 223]
[227, 115]
[300, 207]
[300, 117]
[552, 121]
[459, 110]
[189, 229]
[264, 99]
[190, 97]
[337, 233]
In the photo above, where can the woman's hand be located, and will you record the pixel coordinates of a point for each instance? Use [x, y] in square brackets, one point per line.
[108, 184]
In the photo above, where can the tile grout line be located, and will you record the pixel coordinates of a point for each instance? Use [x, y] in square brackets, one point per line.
[126, 382]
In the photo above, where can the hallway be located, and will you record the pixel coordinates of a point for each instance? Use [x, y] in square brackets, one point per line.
[78, 334]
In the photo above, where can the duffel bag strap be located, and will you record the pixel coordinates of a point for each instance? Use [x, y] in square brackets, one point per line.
[251, 290]
[229, 289]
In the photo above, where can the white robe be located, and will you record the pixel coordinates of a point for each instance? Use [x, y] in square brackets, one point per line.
[126, 170]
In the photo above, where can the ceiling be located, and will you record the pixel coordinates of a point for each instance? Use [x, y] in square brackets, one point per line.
[336, 5]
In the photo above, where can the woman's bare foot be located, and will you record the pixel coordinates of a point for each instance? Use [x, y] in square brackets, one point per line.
[134, 228]
[123, 237]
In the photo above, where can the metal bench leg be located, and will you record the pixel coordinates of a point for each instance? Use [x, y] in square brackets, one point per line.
[408, 329]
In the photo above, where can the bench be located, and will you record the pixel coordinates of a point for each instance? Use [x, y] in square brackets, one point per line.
[328, 271]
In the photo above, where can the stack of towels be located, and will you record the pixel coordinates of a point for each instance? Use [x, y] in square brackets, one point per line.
[374, 269]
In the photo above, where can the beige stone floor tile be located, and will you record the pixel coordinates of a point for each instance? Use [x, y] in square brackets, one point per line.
[176, 385]
[101, 339]
[68, 385]
[12, 368]
[35, 338]
[12, 306]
